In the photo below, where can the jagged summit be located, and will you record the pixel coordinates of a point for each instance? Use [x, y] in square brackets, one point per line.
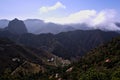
[16, 19]
[17, 26]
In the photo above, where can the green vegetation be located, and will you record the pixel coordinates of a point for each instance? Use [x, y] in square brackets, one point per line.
[102, 63]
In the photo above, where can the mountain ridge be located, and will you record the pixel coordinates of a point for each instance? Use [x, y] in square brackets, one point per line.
[37, 26]
[71, 44]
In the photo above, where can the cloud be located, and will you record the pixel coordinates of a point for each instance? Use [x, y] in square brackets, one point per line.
[46, 9]
[104, 19]
[104, 16]
[78, 17]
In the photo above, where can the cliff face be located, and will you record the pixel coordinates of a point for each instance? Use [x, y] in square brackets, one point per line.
[17, 26]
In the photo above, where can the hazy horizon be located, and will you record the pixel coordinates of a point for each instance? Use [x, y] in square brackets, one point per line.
[93, 13]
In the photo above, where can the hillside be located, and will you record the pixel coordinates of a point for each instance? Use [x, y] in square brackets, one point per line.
[101, 63]
[80, 42]
[13, 55]
[66, 44]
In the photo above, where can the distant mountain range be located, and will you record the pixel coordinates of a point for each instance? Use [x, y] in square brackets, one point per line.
[4, 23]
[37, 26]
[65, 44]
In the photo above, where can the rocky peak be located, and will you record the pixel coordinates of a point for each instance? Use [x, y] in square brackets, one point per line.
[17, 26]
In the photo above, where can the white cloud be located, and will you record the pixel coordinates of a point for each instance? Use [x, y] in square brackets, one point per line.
[104, 16]
[78, 17]
[104, 19]
[46, 9]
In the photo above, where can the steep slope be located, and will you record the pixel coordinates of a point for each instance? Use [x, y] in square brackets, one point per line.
[17, 27]
[79, 42]
[66, 44]
[101, 63]
[27, 68]
[13, 55]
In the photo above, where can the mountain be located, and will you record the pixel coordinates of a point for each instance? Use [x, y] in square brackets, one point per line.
[37, 26]
[81, 26]
[66, 44]
[80, 41]
[3, 23]
[101, 63]
[16, 57]
[17, 27]
[33, 25]
[117, 24]
[13, 55]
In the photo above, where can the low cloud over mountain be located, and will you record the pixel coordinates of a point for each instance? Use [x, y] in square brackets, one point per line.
[104, 19]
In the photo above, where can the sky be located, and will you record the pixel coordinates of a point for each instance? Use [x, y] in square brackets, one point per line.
[98, 12]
